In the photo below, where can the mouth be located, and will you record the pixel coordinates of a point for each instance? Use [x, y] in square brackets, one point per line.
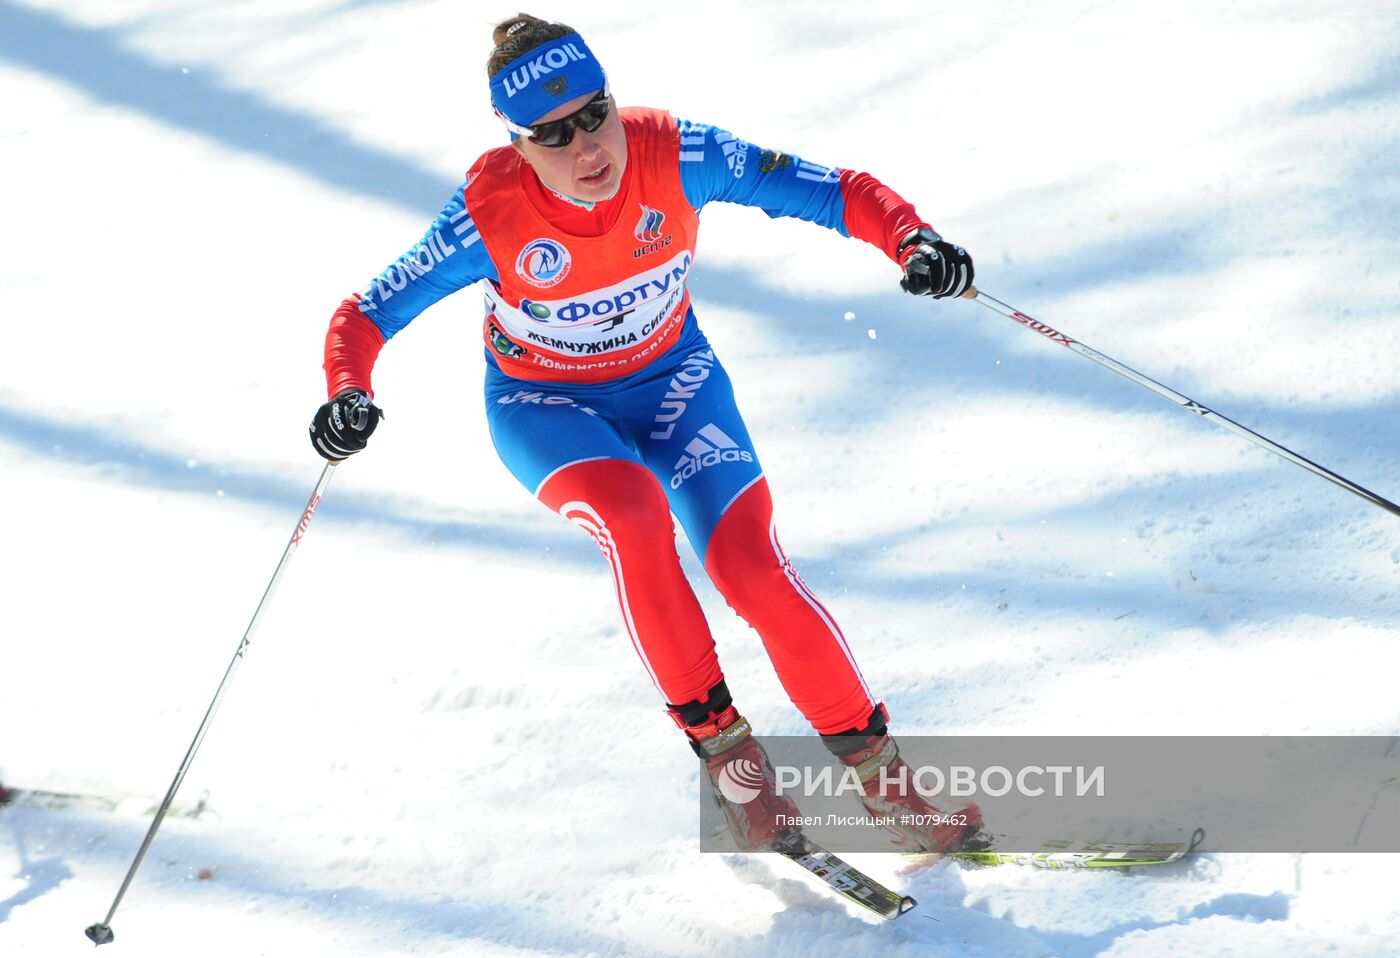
[597, 176]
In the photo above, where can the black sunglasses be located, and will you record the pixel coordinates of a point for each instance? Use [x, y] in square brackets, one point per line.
[560, 132]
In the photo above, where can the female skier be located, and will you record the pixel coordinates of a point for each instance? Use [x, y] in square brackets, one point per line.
[607, 403]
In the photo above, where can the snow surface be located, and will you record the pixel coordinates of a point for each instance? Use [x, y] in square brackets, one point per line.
[440, 742]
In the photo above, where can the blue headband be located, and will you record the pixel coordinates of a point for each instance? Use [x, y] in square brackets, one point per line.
[542, 78]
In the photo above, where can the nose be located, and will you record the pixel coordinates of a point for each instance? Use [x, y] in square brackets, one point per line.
[586, 145]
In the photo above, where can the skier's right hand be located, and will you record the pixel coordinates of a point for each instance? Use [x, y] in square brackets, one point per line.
[342, 426]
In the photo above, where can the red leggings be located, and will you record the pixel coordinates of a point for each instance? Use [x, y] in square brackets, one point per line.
[623, 507]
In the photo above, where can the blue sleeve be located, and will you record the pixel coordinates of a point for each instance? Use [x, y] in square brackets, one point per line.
[718, 166]
[449, 257]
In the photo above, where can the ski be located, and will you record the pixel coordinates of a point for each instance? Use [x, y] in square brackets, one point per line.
[840, 876]
[992, 849]
[106, 804]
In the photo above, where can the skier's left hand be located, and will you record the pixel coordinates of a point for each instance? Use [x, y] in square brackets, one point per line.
[933, 266]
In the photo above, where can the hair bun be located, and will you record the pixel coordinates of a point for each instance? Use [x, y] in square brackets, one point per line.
[518, 35]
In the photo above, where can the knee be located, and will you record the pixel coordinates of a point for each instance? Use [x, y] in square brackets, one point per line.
[746, 574]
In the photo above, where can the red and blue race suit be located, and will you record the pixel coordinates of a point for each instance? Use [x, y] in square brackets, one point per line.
[604, 398]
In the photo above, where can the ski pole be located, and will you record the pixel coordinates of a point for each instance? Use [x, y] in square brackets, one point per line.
[101, 933]
[1189, 405]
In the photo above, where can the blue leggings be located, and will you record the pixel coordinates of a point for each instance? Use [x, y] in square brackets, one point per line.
[676, 416]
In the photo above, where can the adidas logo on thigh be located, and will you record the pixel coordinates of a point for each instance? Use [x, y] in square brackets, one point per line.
[710, 447]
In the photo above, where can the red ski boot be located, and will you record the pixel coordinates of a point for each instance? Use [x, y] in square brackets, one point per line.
[887, 781]
[741, 775]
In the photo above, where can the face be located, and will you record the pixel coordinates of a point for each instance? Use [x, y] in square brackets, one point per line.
[590, 167]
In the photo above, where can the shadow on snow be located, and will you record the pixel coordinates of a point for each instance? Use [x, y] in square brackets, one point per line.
[96, 61]
[926, 351]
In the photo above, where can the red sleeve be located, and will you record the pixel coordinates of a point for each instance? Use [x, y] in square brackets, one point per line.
[352, 345]
[875, 213]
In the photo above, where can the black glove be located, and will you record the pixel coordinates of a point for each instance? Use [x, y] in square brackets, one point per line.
[342, 426]
[933, 266]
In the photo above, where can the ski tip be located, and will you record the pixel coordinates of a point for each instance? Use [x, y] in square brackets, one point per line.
[100, 933]
[905, 904]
